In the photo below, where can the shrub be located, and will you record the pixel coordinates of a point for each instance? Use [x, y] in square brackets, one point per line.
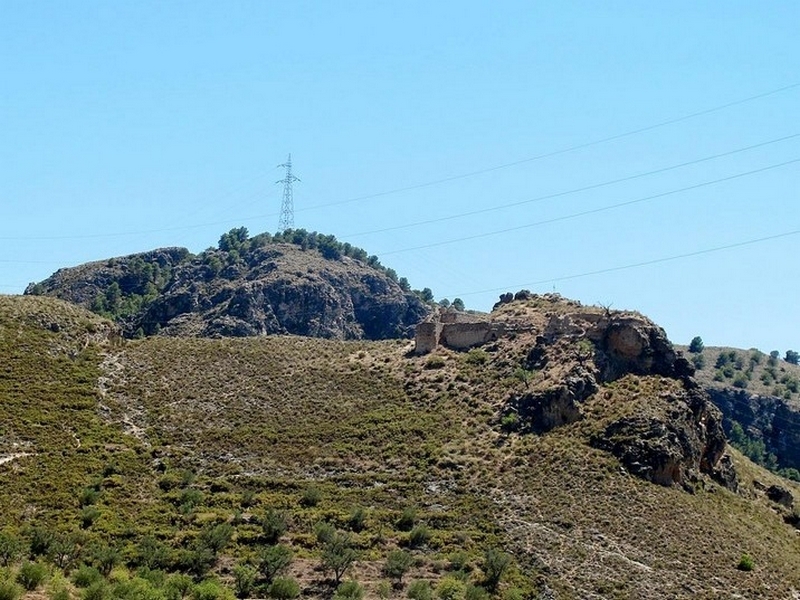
[406, 520]
[9, 590]
[89, 514]
[699, 361]
[419, 536]
[495, 564]
[244, 577]
[459, 561]
[210, 590]
[450, 588]
[337, 555]
[97, 591]
[284, 588]
[178, 586]
[217, 537]
[420, 590]
[384, 590]
[311, 497]
[792, 357]
[85, 576]
[398, 562]
[357, 518]
[105, 558]
[273, 525]
[740, 381]
[324, 532]
[476, 356]
[745, 563]
[31, 575]
[434, 362]
[88, 496]
[10, 548]
[274, 560]
[475, 592]
[349, 590]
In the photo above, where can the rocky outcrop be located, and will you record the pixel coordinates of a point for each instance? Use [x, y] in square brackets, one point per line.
[672, 436]
[259, 289]
[769, 419]
[673, 442]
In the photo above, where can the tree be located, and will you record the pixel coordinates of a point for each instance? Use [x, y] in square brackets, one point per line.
[792, 357]
[495, 564]
[397, 564]
[458, 304]
[274, 560]
[696, 345]
[337, 555]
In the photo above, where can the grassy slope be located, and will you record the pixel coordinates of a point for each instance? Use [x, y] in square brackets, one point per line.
[756, 372]
[221, 430]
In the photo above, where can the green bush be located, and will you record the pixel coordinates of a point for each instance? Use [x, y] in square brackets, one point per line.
[10, 548]
[31, 575]
[284, 588]
[89, 514]
[450, 588]
[406, 520]
[178, 586]
[273, 525]
[495, 564]
[217, 537]
[476, 356]
[244, 577]
[9, 590]
[349, 590]
[274, 560]
[85, 575]
[696, 345]
[211, 590]
[337, 555]
[311, 497]
[420, 590]
[745, 563]
[324, 532]
[398, 562]
[98, 590]
[475, 592]
[357, 519]
[419, 536]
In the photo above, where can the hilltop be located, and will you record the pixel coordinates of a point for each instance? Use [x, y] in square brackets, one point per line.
[291, 283]
[576, 444]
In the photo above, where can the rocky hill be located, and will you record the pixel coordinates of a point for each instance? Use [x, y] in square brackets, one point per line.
[571, 457]
[759, 396]
[295, 283]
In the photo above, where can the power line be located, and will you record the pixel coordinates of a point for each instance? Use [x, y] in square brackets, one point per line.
[565, 150]
[428, 183]
[589, 212]
[573, 191]
[635, 265]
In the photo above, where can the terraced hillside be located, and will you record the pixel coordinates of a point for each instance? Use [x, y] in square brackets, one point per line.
[172, 467]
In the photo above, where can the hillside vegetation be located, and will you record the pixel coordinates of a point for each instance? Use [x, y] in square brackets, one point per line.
[272, 466]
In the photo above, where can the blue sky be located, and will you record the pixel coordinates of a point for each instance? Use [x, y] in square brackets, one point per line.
[126, 126]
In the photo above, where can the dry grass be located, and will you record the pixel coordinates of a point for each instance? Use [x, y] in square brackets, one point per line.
[368, 425]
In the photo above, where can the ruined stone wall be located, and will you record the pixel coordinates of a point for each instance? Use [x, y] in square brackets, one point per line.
[460, 336]
[427, 336]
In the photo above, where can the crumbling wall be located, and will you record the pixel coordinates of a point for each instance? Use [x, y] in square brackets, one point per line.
[460, 336]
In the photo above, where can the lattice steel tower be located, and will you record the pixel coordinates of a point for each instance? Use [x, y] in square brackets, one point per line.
[286, 220]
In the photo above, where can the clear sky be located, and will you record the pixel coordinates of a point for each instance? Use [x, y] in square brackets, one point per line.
[126, 126]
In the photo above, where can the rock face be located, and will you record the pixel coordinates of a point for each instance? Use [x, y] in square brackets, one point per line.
[769, 419]
[266, 288]
[668, 433]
